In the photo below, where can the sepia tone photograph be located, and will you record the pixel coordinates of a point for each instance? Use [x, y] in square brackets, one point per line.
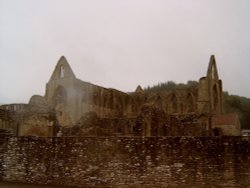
[124, 94]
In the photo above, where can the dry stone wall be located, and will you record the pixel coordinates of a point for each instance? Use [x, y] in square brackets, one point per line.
[126, 161]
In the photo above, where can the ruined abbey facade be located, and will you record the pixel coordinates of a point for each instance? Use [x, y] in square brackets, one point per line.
[77, 108]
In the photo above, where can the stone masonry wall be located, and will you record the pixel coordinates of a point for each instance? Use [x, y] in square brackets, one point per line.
[126, 161]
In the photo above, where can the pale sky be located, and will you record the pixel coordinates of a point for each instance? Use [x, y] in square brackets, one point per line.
[122, 43]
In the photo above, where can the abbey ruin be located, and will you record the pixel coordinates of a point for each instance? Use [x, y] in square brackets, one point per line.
[72, 107]
[83, 135]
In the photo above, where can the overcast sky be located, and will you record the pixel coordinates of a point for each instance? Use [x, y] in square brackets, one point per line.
[122, 43]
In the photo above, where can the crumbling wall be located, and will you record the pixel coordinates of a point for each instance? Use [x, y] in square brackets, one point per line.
[151, 121]
[92, 125]
[127, 162]
[7, 119]
[34, 125]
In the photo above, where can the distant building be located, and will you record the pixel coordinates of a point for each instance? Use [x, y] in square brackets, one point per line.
[226, 124]
[81, 108]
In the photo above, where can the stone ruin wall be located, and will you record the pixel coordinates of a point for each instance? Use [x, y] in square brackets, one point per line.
[38, 119]
[68, 99]
[26, 119]
[126, 162]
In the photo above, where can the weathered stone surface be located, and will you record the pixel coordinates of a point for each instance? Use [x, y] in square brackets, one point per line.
[38, 103]
[127, 162]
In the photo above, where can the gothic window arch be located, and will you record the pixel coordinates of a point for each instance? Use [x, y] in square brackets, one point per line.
[215, 97]
[174, 104]
[158, 102]
[62, 72]
[213, 72]
[189, 103]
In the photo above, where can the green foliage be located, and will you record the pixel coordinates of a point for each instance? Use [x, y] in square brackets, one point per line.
[240, 105]
[170, 85]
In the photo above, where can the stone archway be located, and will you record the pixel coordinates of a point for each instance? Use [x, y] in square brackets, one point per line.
[189, 103]
[174, 104]
[215, 98]
[158, 102]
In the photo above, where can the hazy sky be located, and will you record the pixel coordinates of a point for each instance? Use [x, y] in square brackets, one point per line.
[122, 43]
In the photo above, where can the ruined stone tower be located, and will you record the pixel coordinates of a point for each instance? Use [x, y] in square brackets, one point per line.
[210, 90]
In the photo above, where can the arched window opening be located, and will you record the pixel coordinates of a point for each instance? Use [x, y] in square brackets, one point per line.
[159, 102]
[62, 72]
[215, 97]
[190, 104]
[174, 104]
[213, 72]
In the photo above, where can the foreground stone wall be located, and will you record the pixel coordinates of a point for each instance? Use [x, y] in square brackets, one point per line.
[126, 161]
